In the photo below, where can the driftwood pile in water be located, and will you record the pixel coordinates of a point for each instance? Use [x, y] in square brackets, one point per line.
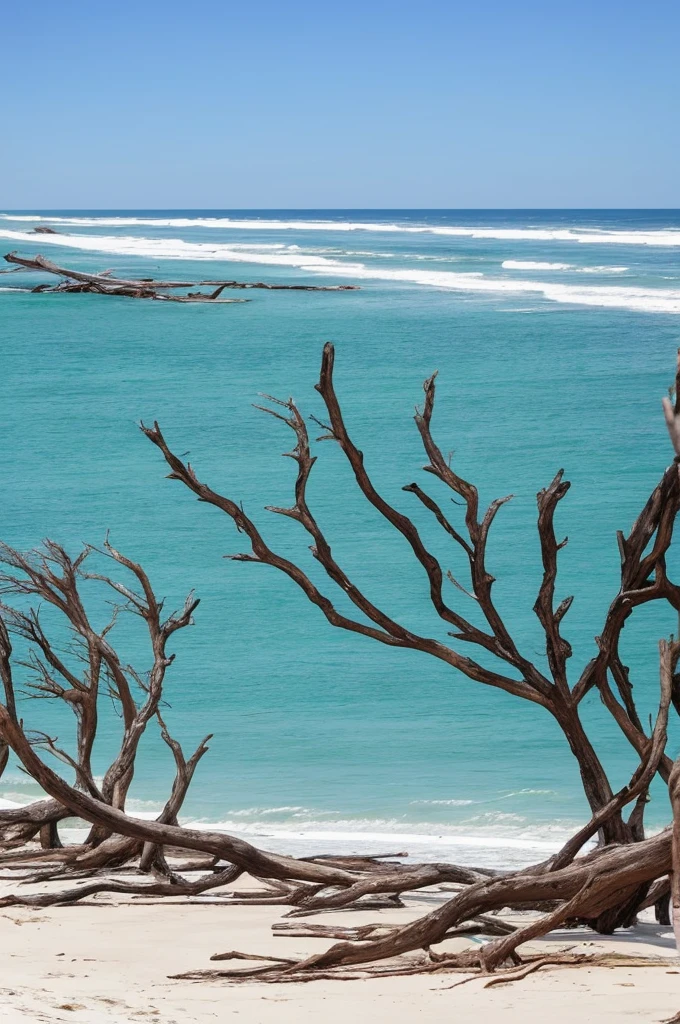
[604, 889]
[147, 288]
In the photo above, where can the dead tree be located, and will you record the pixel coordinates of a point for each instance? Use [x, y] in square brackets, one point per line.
[75, 281]
[82, 673]
[643, 579]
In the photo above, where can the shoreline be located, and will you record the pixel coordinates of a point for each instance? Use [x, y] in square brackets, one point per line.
[486, 849]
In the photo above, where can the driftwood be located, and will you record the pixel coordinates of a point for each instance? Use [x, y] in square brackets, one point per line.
[147, 288]
[284, 971]
[604, 888]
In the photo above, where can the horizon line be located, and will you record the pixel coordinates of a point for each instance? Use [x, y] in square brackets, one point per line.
[343, 209]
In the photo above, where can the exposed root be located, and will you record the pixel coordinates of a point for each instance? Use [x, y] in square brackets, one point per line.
[280, 973]
[147, 889]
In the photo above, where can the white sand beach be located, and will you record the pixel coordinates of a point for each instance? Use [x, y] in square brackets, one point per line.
[108, 962]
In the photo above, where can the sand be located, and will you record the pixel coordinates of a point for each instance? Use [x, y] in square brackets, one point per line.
[108, 963]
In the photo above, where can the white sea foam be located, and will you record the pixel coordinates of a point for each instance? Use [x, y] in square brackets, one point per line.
[501, 834]
[495, 839]
[528, 792]
[502, 852]
[255, 812]
[534, 265]
[312, 832]
[649, 300]
[603, 270]
[502, 849]
[593, 236]
[538, 265]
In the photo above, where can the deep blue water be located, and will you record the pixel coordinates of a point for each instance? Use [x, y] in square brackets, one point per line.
[558, 362]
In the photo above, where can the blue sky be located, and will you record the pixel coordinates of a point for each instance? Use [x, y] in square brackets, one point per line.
[308, 105]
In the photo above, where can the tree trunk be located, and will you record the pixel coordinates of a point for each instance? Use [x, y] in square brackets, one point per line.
[674, 792]
[593, 776]
[49, 836]
[613, 831]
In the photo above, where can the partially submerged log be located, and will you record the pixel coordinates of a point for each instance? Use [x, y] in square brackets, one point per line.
[148, 288]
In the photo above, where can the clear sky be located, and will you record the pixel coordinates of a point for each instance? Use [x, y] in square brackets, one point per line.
[357, 104]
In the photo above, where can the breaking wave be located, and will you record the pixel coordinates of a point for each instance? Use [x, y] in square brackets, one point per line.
[534, 265]
[649, 300]
[603, 270]
[493, 839]
[502, 842]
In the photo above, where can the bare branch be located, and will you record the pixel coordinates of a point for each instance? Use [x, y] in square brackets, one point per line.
[557, 648]
[387, 632]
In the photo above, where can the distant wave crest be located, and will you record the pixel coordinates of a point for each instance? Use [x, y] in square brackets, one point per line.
[593, 236]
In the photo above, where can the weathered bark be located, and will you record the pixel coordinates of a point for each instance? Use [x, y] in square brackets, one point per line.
[586, 888]
[644, 773]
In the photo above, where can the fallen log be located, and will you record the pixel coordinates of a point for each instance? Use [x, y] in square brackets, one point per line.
[146, 287]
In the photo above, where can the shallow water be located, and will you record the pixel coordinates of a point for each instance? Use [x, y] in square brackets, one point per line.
[555, 353]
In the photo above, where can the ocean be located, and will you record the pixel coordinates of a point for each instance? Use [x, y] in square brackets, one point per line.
[554, 334]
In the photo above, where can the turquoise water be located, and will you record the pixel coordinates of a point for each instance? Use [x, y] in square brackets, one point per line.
[557, 358]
